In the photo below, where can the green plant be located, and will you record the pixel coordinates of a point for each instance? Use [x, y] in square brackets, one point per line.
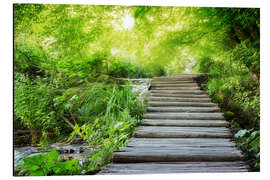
[114, 116]
[49, 164]
[32, 105]
[249, 142]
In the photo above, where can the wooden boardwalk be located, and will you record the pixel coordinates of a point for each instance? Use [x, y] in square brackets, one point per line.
[183, 131]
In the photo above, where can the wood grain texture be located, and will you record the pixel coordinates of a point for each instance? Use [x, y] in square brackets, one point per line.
[178, 91]
[179, 95]
[174, 167]
[182, 132]
[179, 99]
[173, 82]
[167, 155]
[183, 109]
[182, 142]
[185, 123]
[180, 104]
[184, 116]
[174, 85]
[175, 88]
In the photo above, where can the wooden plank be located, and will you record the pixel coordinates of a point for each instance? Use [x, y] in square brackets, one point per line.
[180, 95]
[183, 109]
[172, 79]
[182, 132]
[185, 116]
[185, 123]
[180, 104]
[172, 148]
[174, 85]
[175, 156]
[178, 91]
[178, 99]
[171, 167]
[175, 88]
[181, 142]
[173, 82]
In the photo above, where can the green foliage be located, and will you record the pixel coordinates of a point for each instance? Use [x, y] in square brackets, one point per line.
[249, 142]
[49, 164]
[113, 118]
[32, 105]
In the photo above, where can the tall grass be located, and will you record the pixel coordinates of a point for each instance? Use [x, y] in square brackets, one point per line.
[113, 113]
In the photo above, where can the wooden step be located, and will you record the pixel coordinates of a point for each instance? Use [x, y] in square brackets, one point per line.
[190, 92]
[172, 79]
[182, 132]
[180, 104]
[181, 142]
[172, 154]
[180, 95]
[183, 109]
[175, 88]
[185, 116]
[172, 82]
[185, 123]
[178, 99]
[175, 85]
[174, 167]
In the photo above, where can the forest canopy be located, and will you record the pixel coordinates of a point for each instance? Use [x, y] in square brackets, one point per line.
[153, 37]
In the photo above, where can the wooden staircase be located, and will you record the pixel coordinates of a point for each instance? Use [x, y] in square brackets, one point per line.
[182, 131]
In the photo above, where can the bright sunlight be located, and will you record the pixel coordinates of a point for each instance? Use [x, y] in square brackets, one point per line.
[128, 22]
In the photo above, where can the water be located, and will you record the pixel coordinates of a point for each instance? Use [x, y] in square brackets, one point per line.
[140, 86]
[66, 151]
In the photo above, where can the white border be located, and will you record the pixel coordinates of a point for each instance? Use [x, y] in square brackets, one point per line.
[201, 3]
[7, 88]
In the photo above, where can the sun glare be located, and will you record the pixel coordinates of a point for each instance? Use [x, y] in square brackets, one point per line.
[128, 22]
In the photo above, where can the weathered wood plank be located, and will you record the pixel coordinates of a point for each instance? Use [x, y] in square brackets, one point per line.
[192, 92]
[182, 141]
[181, 132]
[175, 88]
[185, 116]
[183, 109]
[178, 99]
[175, 156]
[180, 95]
[178, 167]
[173, 82]
[180, 104]
[173, 148]
[185, 123]
[172, 79]
[174, 85]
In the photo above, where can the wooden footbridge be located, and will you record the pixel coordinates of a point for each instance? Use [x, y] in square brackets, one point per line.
[182, 131]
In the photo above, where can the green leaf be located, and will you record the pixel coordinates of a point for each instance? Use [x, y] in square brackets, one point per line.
[241, 133]
[37, 173]
[52, 158]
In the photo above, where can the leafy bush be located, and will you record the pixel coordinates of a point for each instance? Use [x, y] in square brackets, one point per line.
[49, 164]
[123, 68]
[32, 106]
[234, 85]
[249, 142]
